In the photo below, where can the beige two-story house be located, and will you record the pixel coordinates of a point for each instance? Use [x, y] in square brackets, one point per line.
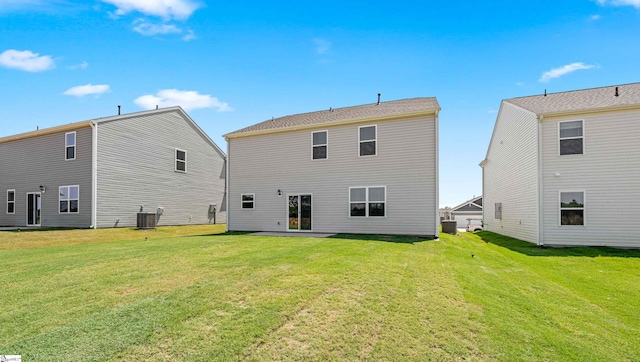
[563, 168]
[370, 169]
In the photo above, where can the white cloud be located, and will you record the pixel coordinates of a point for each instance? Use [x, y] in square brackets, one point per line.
[595, 17]
[166, 9]
[84, 65]
[149, 29]
[634, 3]
[88, 89]
[26, 60]
[322, 45]
[521, 84]
[566, 69]
[188, 100]
[190, 36]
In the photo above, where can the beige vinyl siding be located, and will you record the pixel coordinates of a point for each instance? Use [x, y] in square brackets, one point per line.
[511, 175]
[28, 163]
[608, 173]
[136, 166]
[405, 163]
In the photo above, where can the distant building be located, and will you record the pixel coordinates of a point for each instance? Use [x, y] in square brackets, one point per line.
[468, 210]
[101, 173]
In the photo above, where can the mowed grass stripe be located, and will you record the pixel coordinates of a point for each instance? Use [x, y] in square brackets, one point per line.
[240, 297]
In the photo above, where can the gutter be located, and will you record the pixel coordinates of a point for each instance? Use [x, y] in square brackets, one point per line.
[437, 180]
[226, 186]
[94, 175]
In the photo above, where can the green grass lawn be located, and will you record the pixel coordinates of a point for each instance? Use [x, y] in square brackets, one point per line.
[196, 294]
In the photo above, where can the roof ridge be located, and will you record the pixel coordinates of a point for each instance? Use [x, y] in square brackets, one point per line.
[574, 90]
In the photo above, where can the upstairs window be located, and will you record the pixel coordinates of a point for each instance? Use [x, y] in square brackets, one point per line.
[70, 146]
[571, 138]
[181, 160]
[572, 208]
[248, 201]
[11, 201]
[320, 142]
[367, 201]
[498, 211]
[69, 198]
[367, 140]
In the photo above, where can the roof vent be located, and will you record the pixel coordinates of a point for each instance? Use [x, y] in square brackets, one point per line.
[545, 92]
[617, 94]
[378, 99]
[330, 109]
[118, 110]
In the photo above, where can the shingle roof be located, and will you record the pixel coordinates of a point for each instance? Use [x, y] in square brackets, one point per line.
[581, 100]
[365, 111]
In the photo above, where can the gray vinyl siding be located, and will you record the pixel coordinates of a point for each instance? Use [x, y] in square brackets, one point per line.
[608, 172]
[28, 163]
[136, 166]
[405, 163]
[511, 175]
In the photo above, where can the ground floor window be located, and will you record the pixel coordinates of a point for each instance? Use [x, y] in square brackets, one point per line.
[69, 198]
[11, 201]
[248, 201]
[368, 201]
[572, 208]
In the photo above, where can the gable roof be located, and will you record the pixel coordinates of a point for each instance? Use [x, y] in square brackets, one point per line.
[583, 100]
[362, 113]
[474, 204]
[83, 124]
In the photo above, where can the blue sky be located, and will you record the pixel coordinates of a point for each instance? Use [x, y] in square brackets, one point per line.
[233, 64]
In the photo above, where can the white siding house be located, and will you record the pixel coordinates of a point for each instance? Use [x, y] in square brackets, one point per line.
[102, 172]
[364, 169]
[562, 169]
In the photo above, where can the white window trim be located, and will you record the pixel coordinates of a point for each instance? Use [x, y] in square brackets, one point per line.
[366, 202]
[69, 200]
[75, 148]
[11, 202]
[584, 209]
[375, 140]
[176, 160]
[584, 143]
[325, 144]
[253, 202]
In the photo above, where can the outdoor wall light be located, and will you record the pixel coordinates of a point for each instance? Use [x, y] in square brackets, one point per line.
[42, 189]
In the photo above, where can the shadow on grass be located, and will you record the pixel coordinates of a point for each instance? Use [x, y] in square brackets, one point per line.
[531, 249]
[32, 230]
[399, 239]
[222, 233]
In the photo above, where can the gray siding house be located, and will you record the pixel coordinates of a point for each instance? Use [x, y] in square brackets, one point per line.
[468, 210]
[562, 169]
[364, 169]
[102, 172]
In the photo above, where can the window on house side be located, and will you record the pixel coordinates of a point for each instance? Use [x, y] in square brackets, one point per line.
[69, 198]
[320, 143]
[367, 201]
[498, 211]
[571, 138]
[248, 201]
[11, 201]
[181, 160]
[572, 208]
[70, 146]
[367, 136]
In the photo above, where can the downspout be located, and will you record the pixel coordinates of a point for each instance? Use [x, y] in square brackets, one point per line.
[94, 175]
[484, 195]
[437, 176]
[226, 186]
[540, 186]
